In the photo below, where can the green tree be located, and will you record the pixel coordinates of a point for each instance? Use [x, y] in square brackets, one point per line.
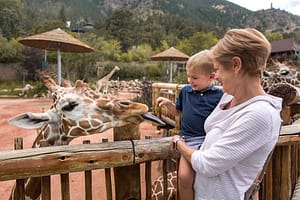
[273, 36]
[62, 14]
[11, 18]
[197, 42]
[121, 26]
[10, 51]
[140, 53]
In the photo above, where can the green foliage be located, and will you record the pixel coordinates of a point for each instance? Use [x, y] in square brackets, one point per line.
[11, 17]
[199, 41]
[140, 53]
[273, 36]
[154, 72]
[121, 26]
[129, 35]
[181, 78]
[10, 51]
[130, 71]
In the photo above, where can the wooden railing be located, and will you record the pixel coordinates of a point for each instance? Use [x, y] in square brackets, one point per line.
[46, 161]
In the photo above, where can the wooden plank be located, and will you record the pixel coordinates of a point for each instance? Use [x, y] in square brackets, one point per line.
[46, 188]
[45, 161]
[293, 129]
[19, 191]
[267, 190]
[294, 165]
[148, 179]
[277, 167]
[88, 180]
[108, 184]
[127, 178]
[88, 184]
[288, 140]
[65, 186]
[286, 173]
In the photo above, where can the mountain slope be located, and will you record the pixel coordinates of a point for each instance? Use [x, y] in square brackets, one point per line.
[218, 13]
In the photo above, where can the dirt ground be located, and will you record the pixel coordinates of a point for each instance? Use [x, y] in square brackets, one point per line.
[12, 107]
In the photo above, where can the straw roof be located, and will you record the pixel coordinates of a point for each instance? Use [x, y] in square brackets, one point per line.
[170, 54]
[54, 40]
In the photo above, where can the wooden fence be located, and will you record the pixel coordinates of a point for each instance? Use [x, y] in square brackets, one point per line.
[279, 183]
[46, 161]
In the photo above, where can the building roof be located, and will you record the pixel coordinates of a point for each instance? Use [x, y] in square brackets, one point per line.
[284, 45]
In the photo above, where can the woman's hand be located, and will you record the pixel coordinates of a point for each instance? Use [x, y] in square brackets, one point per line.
[174, 141]
[178, 144]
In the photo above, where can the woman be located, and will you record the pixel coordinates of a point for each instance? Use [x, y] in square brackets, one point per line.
[243, 128]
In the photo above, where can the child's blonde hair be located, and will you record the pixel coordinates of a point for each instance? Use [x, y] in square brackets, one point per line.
[200, 62]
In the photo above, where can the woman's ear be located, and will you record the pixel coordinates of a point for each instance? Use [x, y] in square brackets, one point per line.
[237, 63]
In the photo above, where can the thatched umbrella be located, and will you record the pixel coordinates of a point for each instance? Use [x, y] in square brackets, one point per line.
[170, 55]
[56, 40]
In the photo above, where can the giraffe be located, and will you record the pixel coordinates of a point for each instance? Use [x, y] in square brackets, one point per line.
[77, 111]
[282, 82]
[103, 82]
[158, 185]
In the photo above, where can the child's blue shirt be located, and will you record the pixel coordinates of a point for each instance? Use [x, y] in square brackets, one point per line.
[195, 106]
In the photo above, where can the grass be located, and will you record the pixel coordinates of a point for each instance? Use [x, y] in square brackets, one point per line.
[13, 89]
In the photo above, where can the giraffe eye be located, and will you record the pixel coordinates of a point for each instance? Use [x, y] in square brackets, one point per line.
[125, 103]
[284, 72]
[70, 106]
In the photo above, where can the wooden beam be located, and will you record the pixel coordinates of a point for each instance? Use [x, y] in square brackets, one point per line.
[37, 162]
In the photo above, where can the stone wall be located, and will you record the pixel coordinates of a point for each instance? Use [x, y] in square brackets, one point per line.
[11, 71]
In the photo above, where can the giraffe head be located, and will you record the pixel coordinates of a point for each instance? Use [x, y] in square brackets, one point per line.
[79, 111]
[117, 68]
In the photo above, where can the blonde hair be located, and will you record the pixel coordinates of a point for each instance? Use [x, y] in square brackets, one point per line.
[249, 45]
[200, 62]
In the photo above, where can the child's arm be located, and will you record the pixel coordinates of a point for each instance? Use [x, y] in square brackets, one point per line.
[162, 101]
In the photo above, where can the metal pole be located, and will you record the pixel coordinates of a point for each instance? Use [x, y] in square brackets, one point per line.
[59, 67]
[171, 71]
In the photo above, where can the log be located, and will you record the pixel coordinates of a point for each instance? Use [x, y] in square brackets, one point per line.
[37, 162]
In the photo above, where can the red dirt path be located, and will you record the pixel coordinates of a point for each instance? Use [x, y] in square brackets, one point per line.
[12, 107]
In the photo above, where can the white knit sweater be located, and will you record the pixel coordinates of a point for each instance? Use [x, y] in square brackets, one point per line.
[236, 146]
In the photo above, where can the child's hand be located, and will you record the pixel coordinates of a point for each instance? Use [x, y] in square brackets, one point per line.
[161, 101]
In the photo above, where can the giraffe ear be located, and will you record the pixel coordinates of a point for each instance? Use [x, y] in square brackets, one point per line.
[29, 120]
[49, 83]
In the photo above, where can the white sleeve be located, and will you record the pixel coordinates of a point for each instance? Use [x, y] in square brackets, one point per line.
[245, 134]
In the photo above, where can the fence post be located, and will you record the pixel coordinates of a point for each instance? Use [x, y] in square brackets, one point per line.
[127, 179]
[88, 180]
[19, 191]
[148, 174]
[108, 179]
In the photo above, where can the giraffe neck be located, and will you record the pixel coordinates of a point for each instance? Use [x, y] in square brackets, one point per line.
[109, 75]
[158, 185]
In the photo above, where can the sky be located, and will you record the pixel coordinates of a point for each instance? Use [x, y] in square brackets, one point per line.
[292, 6]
